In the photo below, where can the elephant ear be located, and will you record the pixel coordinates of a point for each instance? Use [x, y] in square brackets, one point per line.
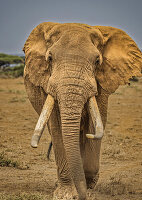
[35, 48]
[122, 59]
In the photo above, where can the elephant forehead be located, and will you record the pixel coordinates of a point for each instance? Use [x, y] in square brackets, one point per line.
[75, 37]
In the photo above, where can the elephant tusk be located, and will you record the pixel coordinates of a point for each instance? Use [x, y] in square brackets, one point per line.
[42, 121]
[96, 118]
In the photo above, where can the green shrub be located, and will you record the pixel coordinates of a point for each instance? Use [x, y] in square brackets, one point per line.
[10, 59]
[12, 72]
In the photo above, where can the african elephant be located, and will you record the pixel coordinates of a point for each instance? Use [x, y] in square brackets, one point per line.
[70, 71]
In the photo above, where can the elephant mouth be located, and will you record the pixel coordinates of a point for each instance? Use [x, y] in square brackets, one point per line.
[47, 110]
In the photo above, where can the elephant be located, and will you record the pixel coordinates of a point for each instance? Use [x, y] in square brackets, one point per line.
[70, 71]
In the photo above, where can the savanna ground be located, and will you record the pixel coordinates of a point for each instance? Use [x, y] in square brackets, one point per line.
[26, 174]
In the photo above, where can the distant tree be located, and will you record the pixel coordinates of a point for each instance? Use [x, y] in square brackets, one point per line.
[6, 59]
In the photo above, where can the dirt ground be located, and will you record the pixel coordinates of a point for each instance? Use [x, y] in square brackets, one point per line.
[34, 177]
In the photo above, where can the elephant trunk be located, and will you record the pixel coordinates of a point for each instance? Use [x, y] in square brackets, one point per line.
[71, 105]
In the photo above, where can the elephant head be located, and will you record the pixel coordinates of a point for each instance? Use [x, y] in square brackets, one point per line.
[69, 62]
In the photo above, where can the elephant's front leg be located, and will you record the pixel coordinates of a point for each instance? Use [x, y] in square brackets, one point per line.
[91, 155]
[64, 186]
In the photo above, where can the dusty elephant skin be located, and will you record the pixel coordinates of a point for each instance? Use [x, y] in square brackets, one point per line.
[74, 63]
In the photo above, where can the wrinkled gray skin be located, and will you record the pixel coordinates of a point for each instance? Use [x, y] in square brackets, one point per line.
[73, 80]
[72, 61]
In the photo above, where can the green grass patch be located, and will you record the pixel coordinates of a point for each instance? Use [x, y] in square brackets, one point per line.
[6, 162]
[16, 99]
[12, 72]
[1, 90]
[16, 91]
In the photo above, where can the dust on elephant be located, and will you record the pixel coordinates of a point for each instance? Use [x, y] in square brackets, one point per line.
[70, 71]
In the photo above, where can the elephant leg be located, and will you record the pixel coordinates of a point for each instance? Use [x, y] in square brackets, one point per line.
[54, 125]
[91, 155]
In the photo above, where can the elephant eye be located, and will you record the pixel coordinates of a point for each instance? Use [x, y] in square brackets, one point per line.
[50, 58]
[97, 61]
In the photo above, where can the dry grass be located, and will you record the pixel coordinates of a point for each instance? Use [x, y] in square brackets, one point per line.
[120, 163]
[116, 185]
[24, 196]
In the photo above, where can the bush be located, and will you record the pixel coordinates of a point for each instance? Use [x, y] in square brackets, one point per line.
[10, 59]
[13, 72]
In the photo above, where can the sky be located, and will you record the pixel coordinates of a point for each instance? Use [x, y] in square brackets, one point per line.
[19, 17]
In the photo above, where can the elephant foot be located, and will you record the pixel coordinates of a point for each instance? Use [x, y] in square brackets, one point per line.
[67, 192]
[91, 182]
[91, 194]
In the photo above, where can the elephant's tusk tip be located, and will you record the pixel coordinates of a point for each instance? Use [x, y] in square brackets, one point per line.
[33, 146]
[35, 141]
[90, 136]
